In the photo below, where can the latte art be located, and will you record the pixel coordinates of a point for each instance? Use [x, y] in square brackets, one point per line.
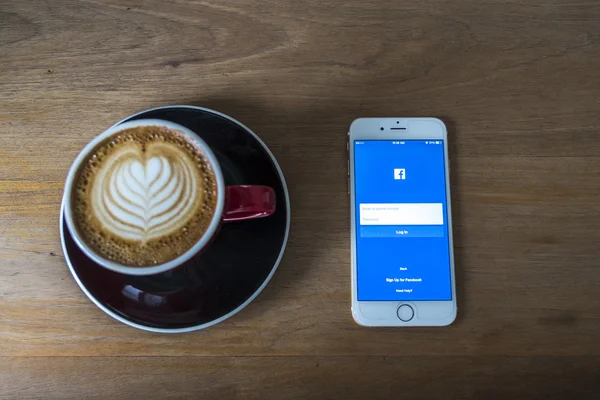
[144, 196]
[140, 199]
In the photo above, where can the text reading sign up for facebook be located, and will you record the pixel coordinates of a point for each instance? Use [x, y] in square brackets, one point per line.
[401, 235]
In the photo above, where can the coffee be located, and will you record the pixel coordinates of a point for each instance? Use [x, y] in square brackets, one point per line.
[144, 196]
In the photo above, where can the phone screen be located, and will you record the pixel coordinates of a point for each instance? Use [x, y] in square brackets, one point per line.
[402, 240]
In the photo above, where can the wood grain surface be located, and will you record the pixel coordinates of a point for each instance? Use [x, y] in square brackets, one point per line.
[518, 84]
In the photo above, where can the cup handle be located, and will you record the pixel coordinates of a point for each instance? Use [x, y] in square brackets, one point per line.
[248, 202]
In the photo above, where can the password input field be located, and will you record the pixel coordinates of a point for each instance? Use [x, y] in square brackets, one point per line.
[401, 214]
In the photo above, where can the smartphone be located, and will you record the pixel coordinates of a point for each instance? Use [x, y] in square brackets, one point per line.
[401, 222]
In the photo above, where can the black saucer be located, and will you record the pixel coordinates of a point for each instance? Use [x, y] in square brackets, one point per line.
[222, 280]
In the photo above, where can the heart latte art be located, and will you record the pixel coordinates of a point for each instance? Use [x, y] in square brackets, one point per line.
[141, 198]
[145, 196]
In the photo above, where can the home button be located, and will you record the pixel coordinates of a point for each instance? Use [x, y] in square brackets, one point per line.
[405, 313]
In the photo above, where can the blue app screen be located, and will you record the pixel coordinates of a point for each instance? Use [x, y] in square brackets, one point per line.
[402, 240]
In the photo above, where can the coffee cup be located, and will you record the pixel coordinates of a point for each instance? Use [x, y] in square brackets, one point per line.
[145, 196]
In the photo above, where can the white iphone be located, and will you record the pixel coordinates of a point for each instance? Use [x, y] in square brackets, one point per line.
[401, 222]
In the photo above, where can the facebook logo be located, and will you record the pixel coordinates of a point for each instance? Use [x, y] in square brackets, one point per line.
[399, 173]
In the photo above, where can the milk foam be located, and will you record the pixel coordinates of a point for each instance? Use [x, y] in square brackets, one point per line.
[144, 196]
[140, 197]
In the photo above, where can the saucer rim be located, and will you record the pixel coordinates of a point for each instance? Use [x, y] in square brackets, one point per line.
[239, 308]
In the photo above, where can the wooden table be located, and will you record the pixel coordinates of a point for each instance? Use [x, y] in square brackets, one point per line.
[518, 84]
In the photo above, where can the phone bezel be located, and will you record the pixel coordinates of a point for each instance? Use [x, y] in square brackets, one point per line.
[384, 313]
